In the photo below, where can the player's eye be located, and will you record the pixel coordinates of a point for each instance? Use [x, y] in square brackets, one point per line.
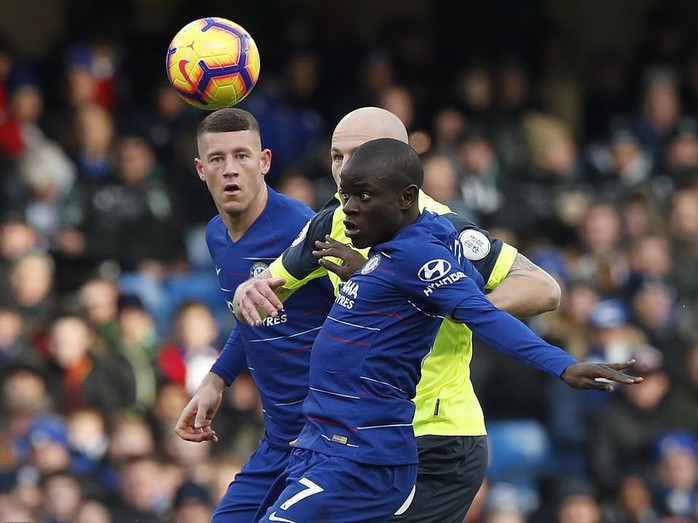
[364, 196]
[241, 156]
[337, 158]
[343, 196]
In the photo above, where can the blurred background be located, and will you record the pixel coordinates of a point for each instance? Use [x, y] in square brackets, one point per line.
[567, 128]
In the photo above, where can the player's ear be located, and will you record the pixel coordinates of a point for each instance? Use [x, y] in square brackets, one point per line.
[265, 160]
[409, 196]
[199, 166]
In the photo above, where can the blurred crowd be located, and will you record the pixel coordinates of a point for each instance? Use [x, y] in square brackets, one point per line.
[110, 311]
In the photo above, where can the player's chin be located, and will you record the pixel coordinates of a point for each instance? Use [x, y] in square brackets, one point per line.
[358, 240]
[234, 205]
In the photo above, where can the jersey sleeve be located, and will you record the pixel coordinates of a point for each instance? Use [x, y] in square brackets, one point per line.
[492, 258]
[510, 336]
[232, 360]
[436, 280]
[297, 265]
[452, 289]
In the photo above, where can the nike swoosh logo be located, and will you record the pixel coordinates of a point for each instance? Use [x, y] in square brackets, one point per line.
[218, 271]
[182, 64]
[274, 517]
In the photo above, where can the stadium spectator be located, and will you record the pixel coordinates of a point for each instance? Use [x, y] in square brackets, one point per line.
[602, 261]
[686, 390]
[297, 186]
[79, 376]
[659, 112]
[89, 441]
[48, 446]
[32, 292]
[192, 504]
[624, 431]
[62, 497]
[676, 481]
[682, 221]
[93, 511]
[99, 299]
[479, 175]
[140, 491]
[441, 183]
[633, 502]
[620, 165]
[130, 437]
[137, 342]
[654, 309]
[448, 125]
[188, 357]
[16, 239]
[14, 348]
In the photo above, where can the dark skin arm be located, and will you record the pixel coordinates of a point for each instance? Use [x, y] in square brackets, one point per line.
[585, 375]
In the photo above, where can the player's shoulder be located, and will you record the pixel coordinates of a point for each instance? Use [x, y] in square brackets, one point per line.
[430, 235]
[476, 241]
[215, 227]
[326, 219]
[426, 202]
[280, 203]
[329, 210]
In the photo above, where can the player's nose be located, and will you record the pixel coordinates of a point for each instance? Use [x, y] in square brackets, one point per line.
[230, 168]
[350, 207]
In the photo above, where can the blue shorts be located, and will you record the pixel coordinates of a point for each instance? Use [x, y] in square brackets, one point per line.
[250, 486]
[321, 488]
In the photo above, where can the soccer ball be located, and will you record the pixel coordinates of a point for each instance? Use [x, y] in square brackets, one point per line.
[212, 63]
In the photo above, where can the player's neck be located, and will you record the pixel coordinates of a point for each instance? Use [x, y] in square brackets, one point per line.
[237, 224]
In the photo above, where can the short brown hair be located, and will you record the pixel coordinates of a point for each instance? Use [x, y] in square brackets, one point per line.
[227, 120]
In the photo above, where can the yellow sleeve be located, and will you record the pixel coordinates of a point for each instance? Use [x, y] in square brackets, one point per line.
[502, 266]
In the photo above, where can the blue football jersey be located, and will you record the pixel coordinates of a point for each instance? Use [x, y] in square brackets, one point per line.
[277, 353]
[366, 360]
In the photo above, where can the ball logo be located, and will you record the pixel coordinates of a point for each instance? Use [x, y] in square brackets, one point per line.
[257, 269]
[301, 235]
[434, 270]
[475, 244]
[371, 264]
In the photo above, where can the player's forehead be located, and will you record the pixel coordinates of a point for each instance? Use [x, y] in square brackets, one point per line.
[347, 140]
[229, 141]
[362, 178]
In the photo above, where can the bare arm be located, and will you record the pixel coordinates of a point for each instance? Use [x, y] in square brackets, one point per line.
[527, 290]
[194, 423]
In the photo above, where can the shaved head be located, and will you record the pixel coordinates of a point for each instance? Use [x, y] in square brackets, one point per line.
[361, 126]
[373, 123]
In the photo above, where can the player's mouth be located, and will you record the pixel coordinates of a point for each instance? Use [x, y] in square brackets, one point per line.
[231, 189]
[351, 228]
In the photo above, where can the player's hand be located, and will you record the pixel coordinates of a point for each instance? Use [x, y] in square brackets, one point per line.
[584, 375]
[258, 295]
[194, 424]
[352, 260]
